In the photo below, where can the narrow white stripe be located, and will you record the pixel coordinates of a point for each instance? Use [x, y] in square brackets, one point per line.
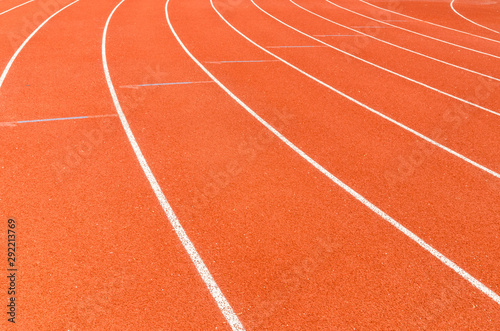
[491, 172]
[9, 65]
[336, 35]
[300, 46]
[465, 18]
[394, 45]
[483, 288]
[163, 84]
[435, 24]
[8, 10]
[368, 26]
[414, 32]
[179, 230]
[240, 61]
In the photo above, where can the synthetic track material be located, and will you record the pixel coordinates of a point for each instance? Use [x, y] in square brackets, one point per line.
[386, 217]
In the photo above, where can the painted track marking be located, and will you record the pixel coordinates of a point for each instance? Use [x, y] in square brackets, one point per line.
[13, 123]
[465, 18]
[435, 24]
[212, 286]
[369, 27]
[242, 61]
[8, 10]
[336, 35]
[476, 283]
[394, 45]
[9, 65]
[301, 46]
[164, 84]
[417, 33]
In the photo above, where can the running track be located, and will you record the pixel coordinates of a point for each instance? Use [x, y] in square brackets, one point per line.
[251, 164]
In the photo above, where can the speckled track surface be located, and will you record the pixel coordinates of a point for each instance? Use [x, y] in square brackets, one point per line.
[251, 164]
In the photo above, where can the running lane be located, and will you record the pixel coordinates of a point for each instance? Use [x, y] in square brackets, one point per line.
[95, 250]
[287, 247]
[361, 149]
[439, 12]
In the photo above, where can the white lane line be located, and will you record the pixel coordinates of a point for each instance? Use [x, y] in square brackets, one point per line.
[435, 24]
[14, 123]
[9, 65]
[301, 46]
[240, 61]
[465, 18]
[212, 286]
[369, 26]
[377, 66]
[165, 84]
[394, 45]
[336, 35]
[414, 32]
[8, 10]
[483, 288]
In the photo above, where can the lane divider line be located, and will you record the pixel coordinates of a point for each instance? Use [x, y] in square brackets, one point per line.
[13, 123]
[414, 32]
[9, 65]
[435, 24]
[303, 46]
[212, 286]
[164, 84]
[394, 45]
[465, 18]
[336, 35]
[370, 27]
[378, 66]
[241, 61]
[476, 283]
[8, 10]
[53, 119]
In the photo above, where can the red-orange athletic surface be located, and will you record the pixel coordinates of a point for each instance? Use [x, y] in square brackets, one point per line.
[288, 248]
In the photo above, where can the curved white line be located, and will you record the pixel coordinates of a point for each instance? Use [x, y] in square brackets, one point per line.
[435, 24]
[483, 288]
[394, 45]
[414, 32]
[8, 10]
[13, 58]
[212, 286]
[379, 67]
[465, 18]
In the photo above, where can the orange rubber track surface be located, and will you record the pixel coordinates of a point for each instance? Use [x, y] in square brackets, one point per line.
[288, 247]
